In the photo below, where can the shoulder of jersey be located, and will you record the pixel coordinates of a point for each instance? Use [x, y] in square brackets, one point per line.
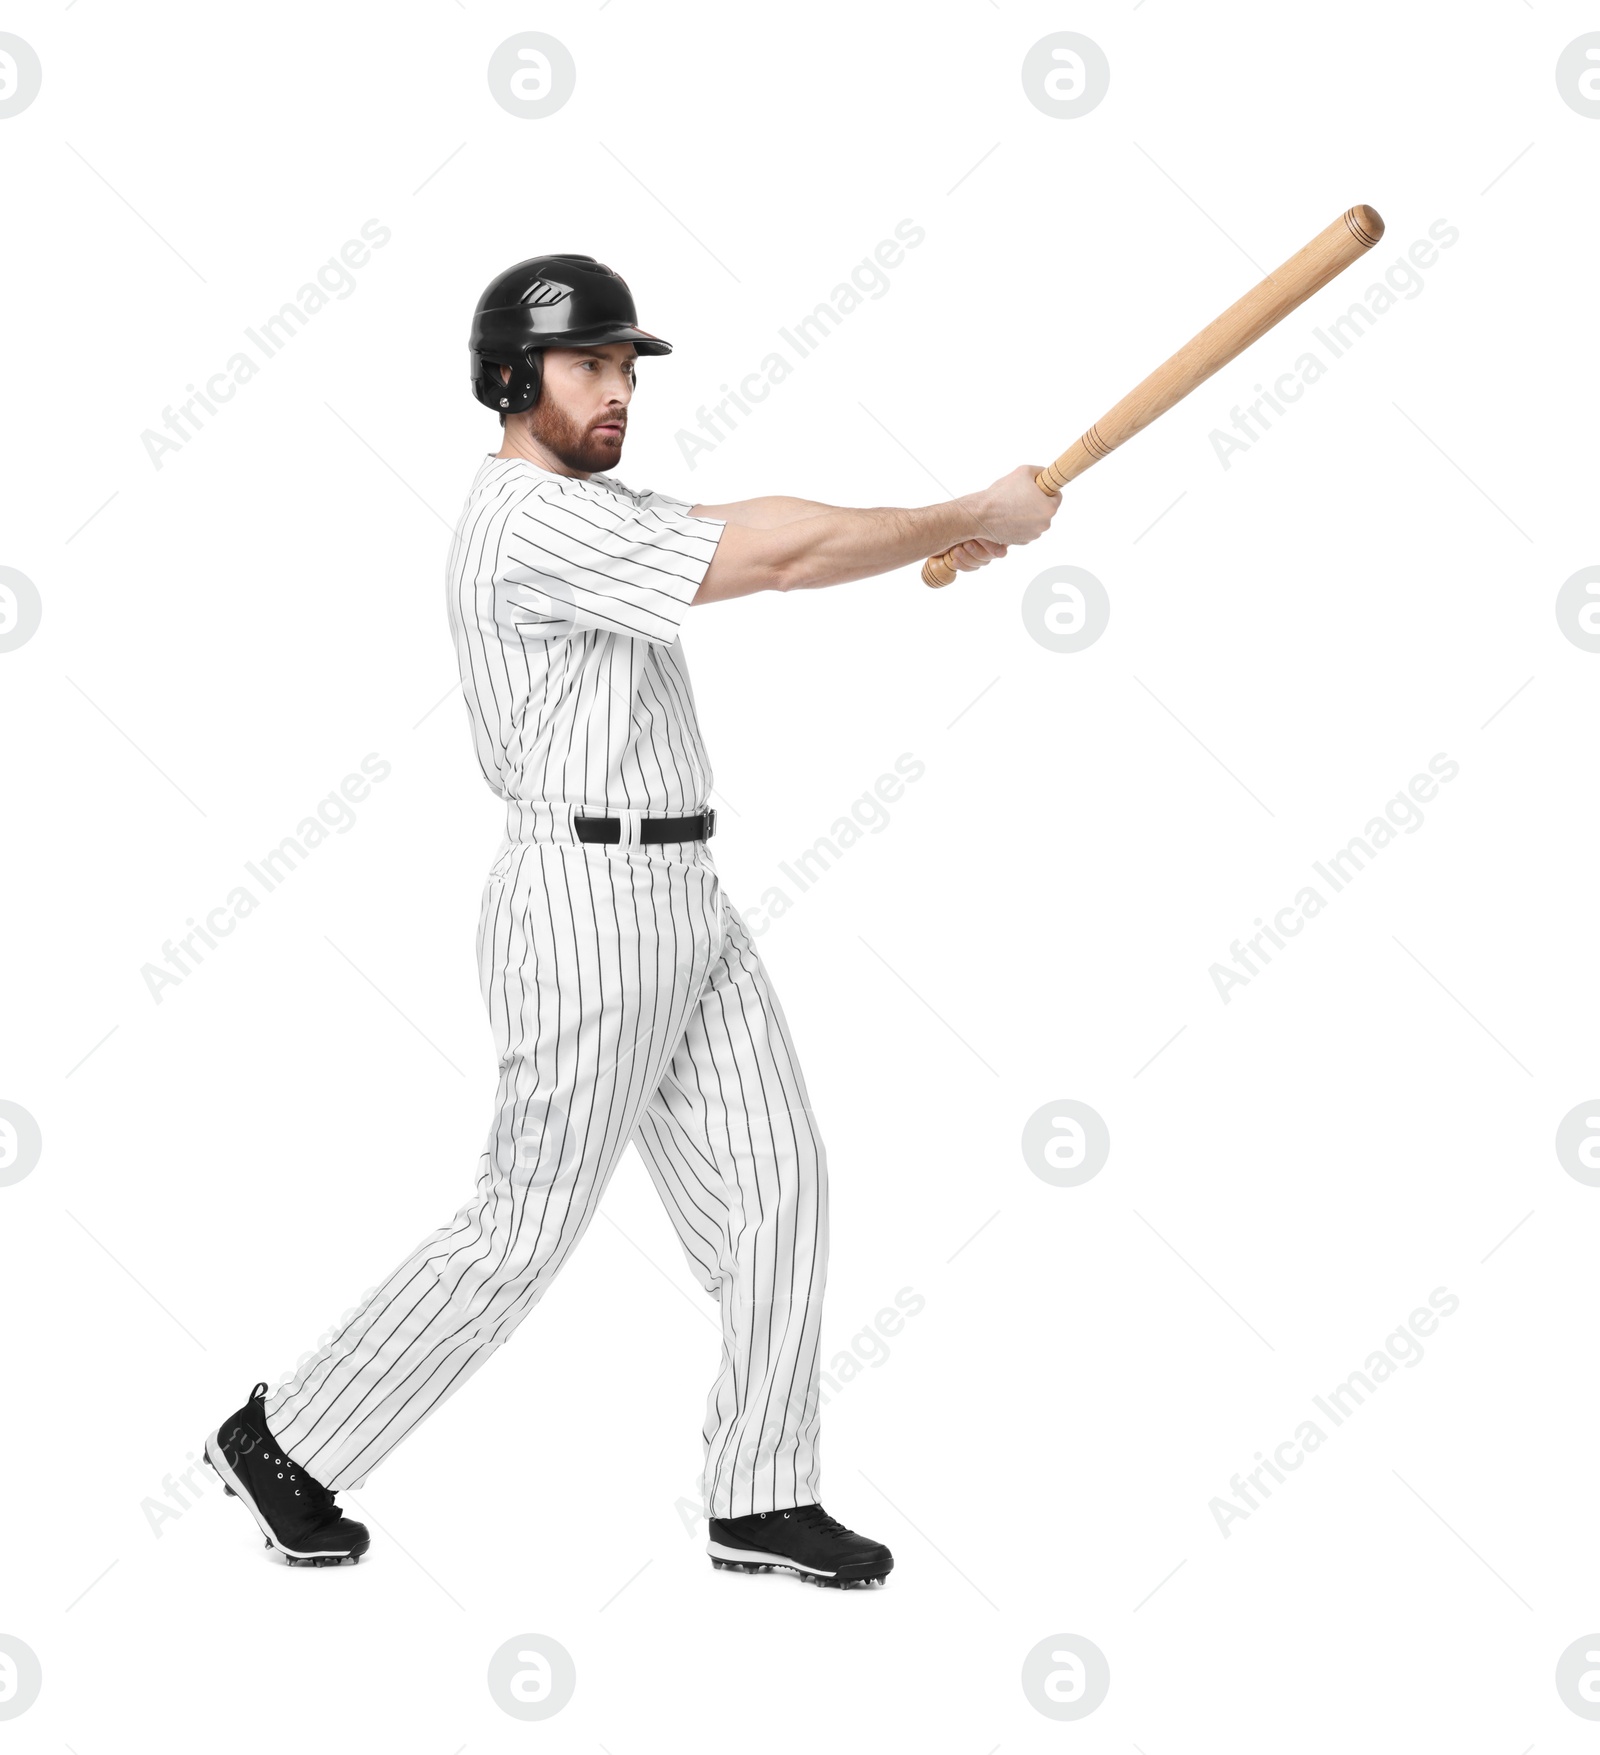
[534, 484]
[610, 481]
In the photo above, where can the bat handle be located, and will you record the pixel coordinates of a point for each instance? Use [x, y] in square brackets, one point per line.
[941, 570]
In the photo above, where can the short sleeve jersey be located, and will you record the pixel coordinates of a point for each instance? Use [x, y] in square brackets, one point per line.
[565, 599]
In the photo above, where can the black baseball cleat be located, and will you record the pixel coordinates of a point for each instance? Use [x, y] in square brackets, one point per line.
[297, 1515]
[803, 1540]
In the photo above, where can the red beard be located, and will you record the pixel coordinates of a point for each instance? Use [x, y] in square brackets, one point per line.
[579, 448]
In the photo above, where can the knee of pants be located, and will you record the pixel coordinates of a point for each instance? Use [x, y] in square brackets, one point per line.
[793, 1158]
[536, 1143]
[784, 1194]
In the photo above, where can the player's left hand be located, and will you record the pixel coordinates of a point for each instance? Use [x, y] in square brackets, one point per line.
[965, 557]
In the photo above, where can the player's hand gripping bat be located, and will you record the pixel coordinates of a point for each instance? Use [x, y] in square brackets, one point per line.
[1329, 253]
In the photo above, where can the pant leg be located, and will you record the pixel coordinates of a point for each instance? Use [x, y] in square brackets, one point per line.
[592, 961]
[730, 1144]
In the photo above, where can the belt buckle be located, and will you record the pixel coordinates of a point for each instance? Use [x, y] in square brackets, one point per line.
[711, 821]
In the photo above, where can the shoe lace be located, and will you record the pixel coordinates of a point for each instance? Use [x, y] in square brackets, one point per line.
[816, 1519]
[316, 1498]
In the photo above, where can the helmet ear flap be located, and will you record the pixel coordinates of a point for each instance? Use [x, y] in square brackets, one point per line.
[525, 383]
[518, 393]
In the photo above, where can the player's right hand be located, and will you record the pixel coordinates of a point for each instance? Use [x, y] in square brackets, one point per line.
[967, 557]
[1015, 509]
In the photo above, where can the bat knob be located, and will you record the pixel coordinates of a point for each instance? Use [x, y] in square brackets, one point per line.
[937, 570]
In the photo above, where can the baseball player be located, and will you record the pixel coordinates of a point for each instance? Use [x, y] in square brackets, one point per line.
[624, 991]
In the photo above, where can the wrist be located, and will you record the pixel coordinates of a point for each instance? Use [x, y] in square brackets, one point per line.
[976, 511]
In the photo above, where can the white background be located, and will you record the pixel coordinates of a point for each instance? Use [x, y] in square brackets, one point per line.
[225, 637]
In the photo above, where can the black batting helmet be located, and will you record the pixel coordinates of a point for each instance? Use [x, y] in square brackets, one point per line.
[547, 301]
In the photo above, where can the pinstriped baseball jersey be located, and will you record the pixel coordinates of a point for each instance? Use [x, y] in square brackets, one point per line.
[565, 601]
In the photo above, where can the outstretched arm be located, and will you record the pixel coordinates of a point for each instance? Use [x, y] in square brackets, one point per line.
[831, 545]
[765, 513]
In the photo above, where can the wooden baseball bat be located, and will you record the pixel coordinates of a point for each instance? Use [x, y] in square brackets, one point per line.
[1307, 271]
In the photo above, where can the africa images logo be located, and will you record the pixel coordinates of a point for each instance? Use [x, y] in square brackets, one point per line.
[1402, 1347]
[1402, 280]
[1402, 814]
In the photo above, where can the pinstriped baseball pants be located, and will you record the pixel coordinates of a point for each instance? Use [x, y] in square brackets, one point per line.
[627, 1002]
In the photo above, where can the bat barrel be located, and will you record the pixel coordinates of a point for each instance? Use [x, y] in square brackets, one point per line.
[1366, 224]
[1329, 253]
[1288, 287]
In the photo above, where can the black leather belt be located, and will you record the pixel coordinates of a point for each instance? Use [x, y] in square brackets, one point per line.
[653, 831]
